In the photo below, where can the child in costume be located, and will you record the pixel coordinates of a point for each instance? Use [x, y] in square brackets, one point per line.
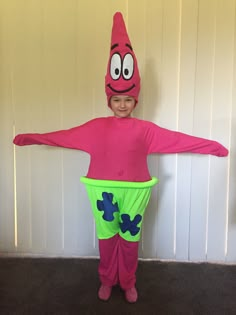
[118, 180]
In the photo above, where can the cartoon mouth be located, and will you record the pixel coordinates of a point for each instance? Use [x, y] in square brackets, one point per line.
[121, 91]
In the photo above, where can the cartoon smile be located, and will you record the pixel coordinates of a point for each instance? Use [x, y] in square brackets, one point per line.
[121, 91]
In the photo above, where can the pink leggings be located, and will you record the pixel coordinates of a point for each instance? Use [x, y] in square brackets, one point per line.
[118, 262]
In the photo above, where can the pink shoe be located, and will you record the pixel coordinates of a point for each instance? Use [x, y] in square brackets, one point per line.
[131, 295]
[104, 292]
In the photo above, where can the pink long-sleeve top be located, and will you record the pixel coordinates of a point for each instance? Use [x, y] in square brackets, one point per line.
[119, 147]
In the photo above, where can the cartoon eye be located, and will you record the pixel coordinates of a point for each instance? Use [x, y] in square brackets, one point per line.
[128, 67]
[115, 66]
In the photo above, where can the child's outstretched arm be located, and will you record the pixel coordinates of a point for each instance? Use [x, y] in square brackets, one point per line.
[161, 140]
[74, 138]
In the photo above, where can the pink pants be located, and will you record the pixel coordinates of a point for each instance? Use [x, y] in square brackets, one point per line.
[118, 262]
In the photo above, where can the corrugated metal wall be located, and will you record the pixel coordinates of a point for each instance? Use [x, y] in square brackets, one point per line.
[53, 61]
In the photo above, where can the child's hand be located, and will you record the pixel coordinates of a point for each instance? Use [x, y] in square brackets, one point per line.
[18, 140]
[222, 151]
[23, 139]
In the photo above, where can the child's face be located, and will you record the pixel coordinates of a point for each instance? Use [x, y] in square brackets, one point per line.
[122, 105]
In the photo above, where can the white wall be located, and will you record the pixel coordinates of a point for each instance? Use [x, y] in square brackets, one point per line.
[53, 61]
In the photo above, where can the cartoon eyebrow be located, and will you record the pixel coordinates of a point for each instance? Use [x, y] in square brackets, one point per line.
[130, 47]
[116, 45]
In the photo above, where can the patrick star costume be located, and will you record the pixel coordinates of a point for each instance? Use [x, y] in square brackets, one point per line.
[118, 181]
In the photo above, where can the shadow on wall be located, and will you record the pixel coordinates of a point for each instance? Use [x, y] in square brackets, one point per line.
[150, 93]
[148, 109]
[232, 175]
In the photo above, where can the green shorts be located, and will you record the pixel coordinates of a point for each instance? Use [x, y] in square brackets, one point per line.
[118, 206]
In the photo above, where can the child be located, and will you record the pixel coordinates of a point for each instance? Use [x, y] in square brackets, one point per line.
[118, 181]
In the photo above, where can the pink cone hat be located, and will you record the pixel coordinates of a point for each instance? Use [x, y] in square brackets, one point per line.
[122, 71]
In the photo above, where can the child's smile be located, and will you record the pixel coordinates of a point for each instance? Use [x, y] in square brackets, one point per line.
[122, 105]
